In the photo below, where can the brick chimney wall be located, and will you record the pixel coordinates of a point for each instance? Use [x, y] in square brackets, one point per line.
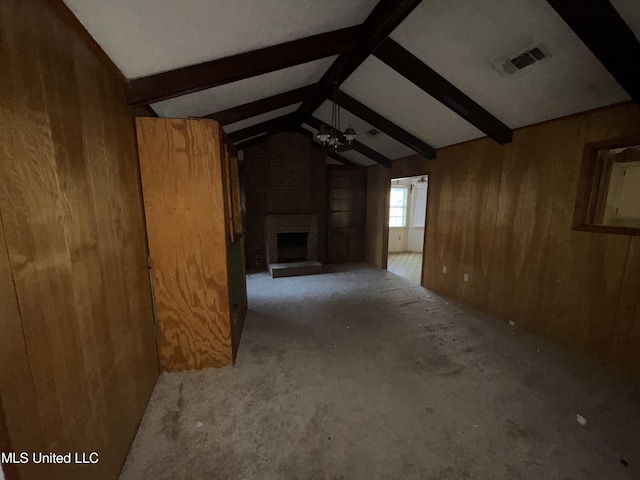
[283, 176]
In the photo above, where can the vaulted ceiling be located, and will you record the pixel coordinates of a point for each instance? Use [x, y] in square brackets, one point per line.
[424, 74]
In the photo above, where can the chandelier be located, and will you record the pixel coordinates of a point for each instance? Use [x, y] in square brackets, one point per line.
[332, 137]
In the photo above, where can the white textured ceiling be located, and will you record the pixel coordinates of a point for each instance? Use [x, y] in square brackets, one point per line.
[232, 127]
[381, 143]
[629, 10]
[400, 101]
[461, 39]
[144, 37]
[248, 90]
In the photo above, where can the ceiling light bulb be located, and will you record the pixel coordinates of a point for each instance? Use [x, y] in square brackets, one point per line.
[322, 135]
[350, 134]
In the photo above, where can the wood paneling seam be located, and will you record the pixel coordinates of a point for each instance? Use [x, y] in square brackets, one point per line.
[15, 292]
[616, 316]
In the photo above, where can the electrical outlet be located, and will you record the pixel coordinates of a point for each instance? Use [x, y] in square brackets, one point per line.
[466, 277]
[444, 269]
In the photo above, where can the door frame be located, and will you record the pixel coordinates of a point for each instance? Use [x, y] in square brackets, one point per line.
[386, 228]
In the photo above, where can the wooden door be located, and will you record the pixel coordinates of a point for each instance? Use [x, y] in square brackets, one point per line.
[347, 190]
[186, 210]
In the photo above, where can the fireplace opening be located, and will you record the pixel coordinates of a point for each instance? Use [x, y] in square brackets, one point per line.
[292, 247]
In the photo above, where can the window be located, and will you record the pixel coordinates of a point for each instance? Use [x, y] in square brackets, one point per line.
[398, 207]
[609, 198]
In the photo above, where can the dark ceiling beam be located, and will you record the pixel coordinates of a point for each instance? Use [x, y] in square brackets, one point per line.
[145, 111]
[381, 123]
[248, 110]
[333, 155]
[414, 70]
[357, 146]
[601, 28]
[162, 86]
[372, 154]
[275, 125]
[252, 142]
[383, 20]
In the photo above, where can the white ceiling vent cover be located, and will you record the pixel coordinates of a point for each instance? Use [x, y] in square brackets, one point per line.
[522, 60]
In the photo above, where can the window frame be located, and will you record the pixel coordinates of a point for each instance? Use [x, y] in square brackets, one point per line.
[405, 207]
[594, 171]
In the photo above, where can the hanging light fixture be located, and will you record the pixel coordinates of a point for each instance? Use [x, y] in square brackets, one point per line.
[332, 138]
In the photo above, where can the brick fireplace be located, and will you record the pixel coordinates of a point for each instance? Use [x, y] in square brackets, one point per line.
[284, 225]
[284, 176]
[292, 245]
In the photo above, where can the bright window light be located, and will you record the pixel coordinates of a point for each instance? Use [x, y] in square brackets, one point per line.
[398, 207]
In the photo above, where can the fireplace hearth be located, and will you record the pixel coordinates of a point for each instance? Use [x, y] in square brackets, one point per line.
[292, 245]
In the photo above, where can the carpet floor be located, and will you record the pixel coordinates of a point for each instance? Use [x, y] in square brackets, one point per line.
[360, 374]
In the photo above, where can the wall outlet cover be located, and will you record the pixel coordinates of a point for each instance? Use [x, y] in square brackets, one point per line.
[444, 269]
[466, 277]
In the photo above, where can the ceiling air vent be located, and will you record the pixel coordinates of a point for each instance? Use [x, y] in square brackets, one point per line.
[373, 132]
[522, 60]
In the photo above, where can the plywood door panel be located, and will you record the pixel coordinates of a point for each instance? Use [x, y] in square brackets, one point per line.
[184, 197]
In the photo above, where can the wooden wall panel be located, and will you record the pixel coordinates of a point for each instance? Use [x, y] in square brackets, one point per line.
[483, 212]
[522, 228]
[185, 205]
[626, 334]
[347, 193]
[376, 224]
[472, 187]
[18, 399]
[455, 199]
[504, 215]
[72, 216]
